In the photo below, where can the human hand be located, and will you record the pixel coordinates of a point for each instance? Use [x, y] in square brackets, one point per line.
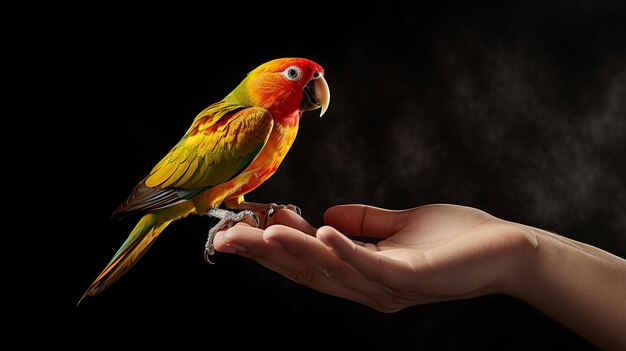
[427, 254]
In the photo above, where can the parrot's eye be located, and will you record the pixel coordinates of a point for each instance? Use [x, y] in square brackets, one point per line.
[292, 73]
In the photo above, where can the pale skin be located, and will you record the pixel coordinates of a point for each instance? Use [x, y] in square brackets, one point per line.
[440, 253]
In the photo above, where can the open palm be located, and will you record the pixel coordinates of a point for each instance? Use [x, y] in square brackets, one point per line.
[426, 254]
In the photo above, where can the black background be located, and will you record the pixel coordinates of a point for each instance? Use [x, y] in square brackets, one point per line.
[517, 109]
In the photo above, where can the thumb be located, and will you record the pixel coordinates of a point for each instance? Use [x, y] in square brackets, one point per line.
[372, 265]
[363, 220]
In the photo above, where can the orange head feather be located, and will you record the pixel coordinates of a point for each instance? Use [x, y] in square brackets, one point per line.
[284, 86]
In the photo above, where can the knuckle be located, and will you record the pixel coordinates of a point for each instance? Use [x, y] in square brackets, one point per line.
[273, 232]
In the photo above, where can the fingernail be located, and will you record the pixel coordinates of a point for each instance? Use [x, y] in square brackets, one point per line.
[272, 242]
[229, 250]
[236, 247]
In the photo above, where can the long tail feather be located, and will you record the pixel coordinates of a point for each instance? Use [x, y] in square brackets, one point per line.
[138, 242]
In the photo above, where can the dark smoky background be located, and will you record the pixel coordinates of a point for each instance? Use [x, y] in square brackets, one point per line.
[516, 108]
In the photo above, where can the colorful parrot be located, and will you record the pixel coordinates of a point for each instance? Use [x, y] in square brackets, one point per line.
[231, 148]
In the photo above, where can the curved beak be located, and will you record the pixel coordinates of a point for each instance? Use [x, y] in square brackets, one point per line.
[316, 95]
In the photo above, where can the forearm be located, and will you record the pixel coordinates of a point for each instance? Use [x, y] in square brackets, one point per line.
[580, 286]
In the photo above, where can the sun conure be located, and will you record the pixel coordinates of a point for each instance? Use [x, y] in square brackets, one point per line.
[232, 147]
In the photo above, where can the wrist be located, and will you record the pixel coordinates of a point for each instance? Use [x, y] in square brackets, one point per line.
[579, 285]
[520, 264]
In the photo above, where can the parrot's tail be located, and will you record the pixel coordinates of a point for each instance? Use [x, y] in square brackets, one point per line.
[138, 242]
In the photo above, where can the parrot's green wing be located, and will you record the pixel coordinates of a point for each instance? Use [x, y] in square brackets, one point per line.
[211, 155]
[216, 148]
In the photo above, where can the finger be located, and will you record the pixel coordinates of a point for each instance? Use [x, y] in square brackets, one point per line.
[296, 270]
[314, 253]
[363, 220]
[291, 219]
[373, 265]
[238, 238]
[244, 239]
[248, 242]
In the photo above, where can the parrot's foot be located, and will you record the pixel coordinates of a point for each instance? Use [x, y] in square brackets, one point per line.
[268, 210]
[227, 220]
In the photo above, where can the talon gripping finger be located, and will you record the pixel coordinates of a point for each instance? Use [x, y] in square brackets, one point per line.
[227, 220]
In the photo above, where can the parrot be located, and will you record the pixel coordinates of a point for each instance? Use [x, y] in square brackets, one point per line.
[231, 148]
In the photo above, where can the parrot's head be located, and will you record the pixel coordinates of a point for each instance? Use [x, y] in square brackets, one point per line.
[284, 86]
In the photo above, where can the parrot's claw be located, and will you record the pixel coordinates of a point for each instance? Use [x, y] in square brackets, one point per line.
[227, 220]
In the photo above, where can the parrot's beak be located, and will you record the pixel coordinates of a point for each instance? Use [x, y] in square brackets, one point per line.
[316, 95]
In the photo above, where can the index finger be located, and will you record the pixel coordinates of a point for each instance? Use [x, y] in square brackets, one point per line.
[291, 219]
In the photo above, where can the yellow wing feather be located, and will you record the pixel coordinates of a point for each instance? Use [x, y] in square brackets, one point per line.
[214, 150]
